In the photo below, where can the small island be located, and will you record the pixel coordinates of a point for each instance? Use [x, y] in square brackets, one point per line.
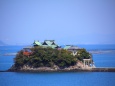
[50, 57]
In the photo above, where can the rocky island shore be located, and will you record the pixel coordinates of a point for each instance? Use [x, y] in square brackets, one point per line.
[55, 68]
[49, 69]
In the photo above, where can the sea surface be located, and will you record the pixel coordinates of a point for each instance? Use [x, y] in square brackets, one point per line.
[103, 56]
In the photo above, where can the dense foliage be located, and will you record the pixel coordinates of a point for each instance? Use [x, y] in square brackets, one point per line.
[47, 57]
[83, 54]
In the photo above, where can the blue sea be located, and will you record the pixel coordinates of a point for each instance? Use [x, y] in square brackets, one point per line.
[103, 56]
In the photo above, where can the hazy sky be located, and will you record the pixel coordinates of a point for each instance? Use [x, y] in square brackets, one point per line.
[66, 21]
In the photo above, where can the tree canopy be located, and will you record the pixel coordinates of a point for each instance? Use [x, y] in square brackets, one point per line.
[83, 54]
[48, 57]
[45, 57]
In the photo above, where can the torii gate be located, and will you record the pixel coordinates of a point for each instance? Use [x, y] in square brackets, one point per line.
[88, 62]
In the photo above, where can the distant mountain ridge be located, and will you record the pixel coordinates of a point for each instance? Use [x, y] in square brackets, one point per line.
[2, 43]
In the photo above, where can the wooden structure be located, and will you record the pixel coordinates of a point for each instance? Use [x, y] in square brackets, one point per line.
[46, 43]
[72, 48]
[37, 43]
[27, 51]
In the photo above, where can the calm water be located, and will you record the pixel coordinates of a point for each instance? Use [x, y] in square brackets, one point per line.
[105, 59]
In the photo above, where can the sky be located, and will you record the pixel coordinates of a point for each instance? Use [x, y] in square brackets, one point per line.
[65, 21]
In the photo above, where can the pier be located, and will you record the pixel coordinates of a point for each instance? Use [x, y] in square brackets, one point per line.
[103, 69]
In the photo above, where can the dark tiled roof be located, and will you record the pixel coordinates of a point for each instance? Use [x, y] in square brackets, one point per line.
[73, 48]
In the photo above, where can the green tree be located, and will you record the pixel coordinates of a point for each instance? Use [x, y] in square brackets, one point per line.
[83, 54]
[47, 57]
